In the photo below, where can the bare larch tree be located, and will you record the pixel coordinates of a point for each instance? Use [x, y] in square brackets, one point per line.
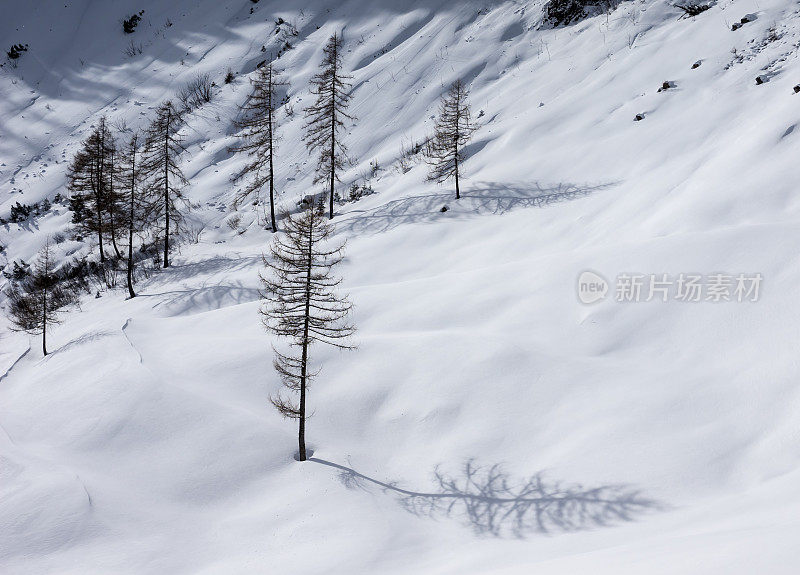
[163, 144]
[301, 305]
[114, 204]
[35, 302]
[453, 130]
[325, 117]
[89, 180]
[259, 126]
[134, 200]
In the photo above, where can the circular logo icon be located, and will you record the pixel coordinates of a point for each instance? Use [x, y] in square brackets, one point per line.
[592, 287]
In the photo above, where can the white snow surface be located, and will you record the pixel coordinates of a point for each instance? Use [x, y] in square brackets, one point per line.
[145, 442]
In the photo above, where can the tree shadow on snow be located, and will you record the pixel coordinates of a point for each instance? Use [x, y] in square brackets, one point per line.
[203, 298]
[81, 340]
[227, 263]
[482, 198]
[493, 503]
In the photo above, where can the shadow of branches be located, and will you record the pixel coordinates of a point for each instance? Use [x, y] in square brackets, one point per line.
[492, 503]
[482, 198]
[83, 339]
[202, 298]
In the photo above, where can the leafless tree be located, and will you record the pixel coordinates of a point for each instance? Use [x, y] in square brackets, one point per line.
[453, 130]
[301, 305]
[136, 209]
[90, 183]
[34, 304]
[199, 91]
[325, 117]
[114, 207]
[163, 144]
[259, 127]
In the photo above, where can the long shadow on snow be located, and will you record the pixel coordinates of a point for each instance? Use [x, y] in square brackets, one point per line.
[204, 298]
[492, 503]
[208, 295]
[227, 263]
[483, 198]
[85, 338]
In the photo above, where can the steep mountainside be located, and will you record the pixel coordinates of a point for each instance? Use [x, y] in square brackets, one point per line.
[489, 421]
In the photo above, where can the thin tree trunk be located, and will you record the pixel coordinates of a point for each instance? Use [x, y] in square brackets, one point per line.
[99, 202]
[333, 130]
[456, 139]
[333, 163]
[271, 165]
[130, 224]
[458, 193]
[304, 364]
[272, 189]
[333, 179]
[44, 321]
[99, 199]
[166, 193]
[166, 229]
[114, 239]
[130, 258]
[100, 235]
[111, 210]
[301, 435]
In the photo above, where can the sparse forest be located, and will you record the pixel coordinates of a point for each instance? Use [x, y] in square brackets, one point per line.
[397, 288]
[128, 194]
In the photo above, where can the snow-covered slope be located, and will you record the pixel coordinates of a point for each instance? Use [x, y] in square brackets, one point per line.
[632, 438]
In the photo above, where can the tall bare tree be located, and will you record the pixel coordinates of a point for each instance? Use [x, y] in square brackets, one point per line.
[301, 305]
[34, 303]
[113, 198]
[453, 130]
[259, 125]
[89, 179]
[135, 205]
[163, 144]
[325, 117]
